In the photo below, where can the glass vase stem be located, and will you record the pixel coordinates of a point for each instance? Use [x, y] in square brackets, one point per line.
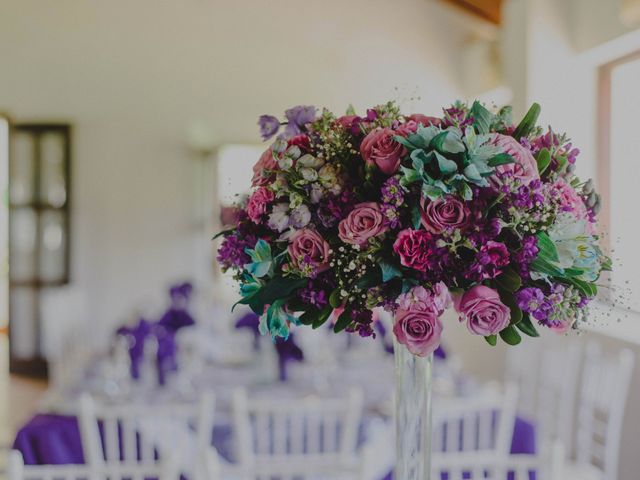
[413, 415]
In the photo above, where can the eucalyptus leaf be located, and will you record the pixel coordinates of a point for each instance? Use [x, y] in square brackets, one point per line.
[445, 165]
[416, 218]
[482, 118]
[389, 271]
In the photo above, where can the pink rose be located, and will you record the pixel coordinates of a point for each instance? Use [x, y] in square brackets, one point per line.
[418, 330]
[308, 249]
[571, 202]
[260, 175]
[379, 148]
[258, 203]
[525, 167]
[412, 246]
[483, 310]
[363, 222]
[424, 119]
[444, 214]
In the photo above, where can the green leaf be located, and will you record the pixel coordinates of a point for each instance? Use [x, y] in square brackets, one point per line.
[223, 232]
[509, 280]
[408, 284]
[389, 271]
[510, 335]
[547, 268]
[405, 142]
[343, 321]
[448, 142]
[500, 159]
[416, 218]
[445, 165]
[466, 192]
[418, 160]
[509, 300]
[543, 160]
[350, 110]
[276, 288]
[316, 317]
[587, 288]
[482, 118]
[526, 327]
[410, 175]
[335, 300]
[528, 123]
[547, 248]
[491, 340]
[370, 279]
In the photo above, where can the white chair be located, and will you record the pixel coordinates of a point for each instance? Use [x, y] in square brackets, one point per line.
[480, 466]
[481, 424]
[17, 470]
[559, 367]
[601, 405]
[133, 434]
[298, 438]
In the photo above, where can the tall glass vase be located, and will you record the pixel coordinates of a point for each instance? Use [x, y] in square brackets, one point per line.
[413, 415]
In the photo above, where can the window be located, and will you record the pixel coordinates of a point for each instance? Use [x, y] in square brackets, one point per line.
[619, 174]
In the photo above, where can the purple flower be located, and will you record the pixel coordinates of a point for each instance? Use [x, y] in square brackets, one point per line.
[392, 192]
[489, 261]
[533, 301]
[297, 118]
[269, 126]
[527, 254]
[232, 251]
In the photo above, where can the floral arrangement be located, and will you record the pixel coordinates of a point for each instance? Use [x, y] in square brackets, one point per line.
[413, 214]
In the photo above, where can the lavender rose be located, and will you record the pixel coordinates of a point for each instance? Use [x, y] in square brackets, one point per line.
[258, 203]
[444, 214]
[413, 249]
[365, 221]
[483, 311]
[525, 168]
[380, 149]
[418, 330]
[309, 252]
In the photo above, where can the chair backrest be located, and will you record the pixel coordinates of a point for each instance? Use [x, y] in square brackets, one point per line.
[142, 433]
[603, 396]
[17, 470]
[478, 466]
[303, 431]
[559, 367]
[483, 423]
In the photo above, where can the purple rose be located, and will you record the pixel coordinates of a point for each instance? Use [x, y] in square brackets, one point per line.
[308, 250]
[525, 167]
[483, 311]
[365, 221]
[380, 149]
[444, 214]
[418, 330]
[269, 126]
[412, 246]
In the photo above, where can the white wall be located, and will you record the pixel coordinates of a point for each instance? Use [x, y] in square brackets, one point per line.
[132, 77]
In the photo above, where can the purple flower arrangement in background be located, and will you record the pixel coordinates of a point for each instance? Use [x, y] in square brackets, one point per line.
[414, 213]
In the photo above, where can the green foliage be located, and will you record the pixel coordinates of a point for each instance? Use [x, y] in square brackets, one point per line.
[389, 271]
[510, 335]
[528, 123]
[343, 321]
[509, 280]
[491, 340]
[526, 327]
[543, 160]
